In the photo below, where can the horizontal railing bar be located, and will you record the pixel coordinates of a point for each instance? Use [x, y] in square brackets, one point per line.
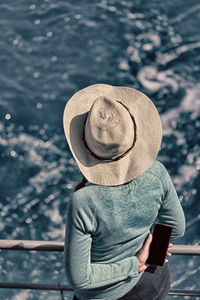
[185, 249]
[59, 246]
[35, 286]
[184, 293]
[54, 287]
[31, 245]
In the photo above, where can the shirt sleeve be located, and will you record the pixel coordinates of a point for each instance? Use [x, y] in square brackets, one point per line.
[81, 272]
[171, 212]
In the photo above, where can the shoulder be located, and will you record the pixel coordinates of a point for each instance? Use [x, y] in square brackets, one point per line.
[157, 169]
[85, 197]
[86, 192]
[161, 172]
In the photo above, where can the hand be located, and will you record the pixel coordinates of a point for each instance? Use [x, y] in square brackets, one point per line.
[143, 254]
[168, 253]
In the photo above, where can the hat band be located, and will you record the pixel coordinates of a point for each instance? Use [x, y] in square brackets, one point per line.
[108, 159]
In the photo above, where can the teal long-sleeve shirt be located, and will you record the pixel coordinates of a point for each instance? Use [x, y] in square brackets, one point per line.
[107, 227]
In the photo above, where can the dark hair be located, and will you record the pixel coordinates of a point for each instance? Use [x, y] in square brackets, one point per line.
[81, 184]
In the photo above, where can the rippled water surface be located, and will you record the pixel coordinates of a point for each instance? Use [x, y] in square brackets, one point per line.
[48, 51]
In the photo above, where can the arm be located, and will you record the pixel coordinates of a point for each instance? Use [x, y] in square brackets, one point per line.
[171, 212]
[81, 272]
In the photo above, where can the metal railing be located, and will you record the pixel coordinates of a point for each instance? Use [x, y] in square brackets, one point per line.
[59, 247]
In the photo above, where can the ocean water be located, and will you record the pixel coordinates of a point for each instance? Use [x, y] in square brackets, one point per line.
[49, 49]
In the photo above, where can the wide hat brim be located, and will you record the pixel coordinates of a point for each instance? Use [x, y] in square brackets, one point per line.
[138, 159]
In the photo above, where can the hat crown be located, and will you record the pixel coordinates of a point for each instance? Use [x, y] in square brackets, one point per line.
[105, 113]
[109, 130]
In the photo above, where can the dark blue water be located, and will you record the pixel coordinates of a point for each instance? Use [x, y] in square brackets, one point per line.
[48, 51]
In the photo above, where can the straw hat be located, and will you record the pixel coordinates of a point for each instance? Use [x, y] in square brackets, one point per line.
[114, 133]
